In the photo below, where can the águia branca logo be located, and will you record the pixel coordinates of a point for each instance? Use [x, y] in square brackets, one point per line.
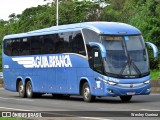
[44, 61]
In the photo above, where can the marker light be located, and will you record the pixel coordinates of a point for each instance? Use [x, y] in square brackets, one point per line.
[147, 82]
[111, 83]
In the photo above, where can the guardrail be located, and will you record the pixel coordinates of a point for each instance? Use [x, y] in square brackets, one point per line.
[155, 86]
[1, 75]
[1, 82]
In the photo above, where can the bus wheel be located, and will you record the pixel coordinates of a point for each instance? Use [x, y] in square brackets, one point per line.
[29, 90]
[21, 90]
[126, 98]
[87, 93]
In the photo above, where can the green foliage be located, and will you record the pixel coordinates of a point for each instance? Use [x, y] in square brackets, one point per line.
[12, 118]
[146, 18]
[143, 14]
[77, 11]
[155, 74]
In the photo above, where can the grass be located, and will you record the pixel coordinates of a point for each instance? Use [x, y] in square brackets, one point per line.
[155, 74]
[11, 118]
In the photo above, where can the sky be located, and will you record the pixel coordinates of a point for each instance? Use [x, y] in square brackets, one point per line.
[7, 7]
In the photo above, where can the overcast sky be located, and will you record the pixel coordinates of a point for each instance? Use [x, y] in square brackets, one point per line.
[8, 7]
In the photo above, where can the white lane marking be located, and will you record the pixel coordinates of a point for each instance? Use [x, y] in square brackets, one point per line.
[70, 115]
[14, 109]
[94, 118]
[15, 99]
[148, 110]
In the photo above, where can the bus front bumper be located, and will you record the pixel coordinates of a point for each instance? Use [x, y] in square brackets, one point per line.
[119, 90]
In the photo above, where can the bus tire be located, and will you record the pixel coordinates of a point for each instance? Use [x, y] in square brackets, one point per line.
[87, 97]
[29, 90]
[21, 90]
[126, 98]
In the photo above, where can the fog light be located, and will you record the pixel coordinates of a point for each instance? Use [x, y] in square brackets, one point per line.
[148, 90]
[147, 82]
[110, 90]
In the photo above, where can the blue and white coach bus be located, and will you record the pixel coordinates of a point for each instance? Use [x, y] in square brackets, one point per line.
[92, 59]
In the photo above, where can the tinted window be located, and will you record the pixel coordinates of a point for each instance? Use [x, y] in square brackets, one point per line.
[90, 36]
[68, 42]
[11, 47]
[59, 43]
[77, 44]
[49, 44]
[7, 47]
[24, 47]
[67, 37]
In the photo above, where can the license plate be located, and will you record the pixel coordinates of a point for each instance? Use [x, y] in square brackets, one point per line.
[130, 93]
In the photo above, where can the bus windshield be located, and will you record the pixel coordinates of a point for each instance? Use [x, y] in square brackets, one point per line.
[126, 56]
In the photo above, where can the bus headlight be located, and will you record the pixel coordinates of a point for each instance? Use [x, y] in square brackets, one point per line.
[147, 82]
[112, 83]
[107, 82]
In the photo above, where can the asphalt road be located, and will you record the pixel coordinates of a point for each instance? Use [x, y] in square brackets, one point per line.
[103, 108]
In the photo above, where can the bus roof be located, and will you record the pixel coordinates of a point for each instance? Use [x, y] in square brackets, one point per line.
[111, 28]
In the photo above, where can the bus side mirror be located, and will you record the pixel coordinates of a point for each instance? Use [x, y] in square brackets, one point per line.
[100, 46]
[154, 47]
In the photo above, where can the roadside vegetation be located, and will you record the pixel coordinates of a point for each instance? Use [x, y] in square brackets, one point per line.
[155, 74]
[11, 118]
[143, 14]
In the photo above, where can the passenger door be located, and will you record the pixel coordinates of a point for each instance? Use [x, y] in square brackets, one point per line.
[98, 68]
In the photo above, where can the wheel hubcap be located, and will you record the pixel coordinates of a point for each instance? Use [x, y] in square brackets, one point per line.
[21, 88]
[86, 93]
[29, 90]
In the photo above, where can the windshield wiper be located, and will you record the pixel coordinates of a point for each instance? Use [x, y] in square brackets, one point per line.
[129, 62]
[135, 68]
[123, 68]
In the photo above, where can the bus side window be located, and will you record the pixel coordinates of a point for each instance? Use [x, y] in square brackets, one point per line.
[77, 44]
[97, 60]
[15, 52]
[36, 45]
[25, 46]
[59, 46]
[48, 46]
[7, 47]
[51, 47]
[15, 47]
[90, 57]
